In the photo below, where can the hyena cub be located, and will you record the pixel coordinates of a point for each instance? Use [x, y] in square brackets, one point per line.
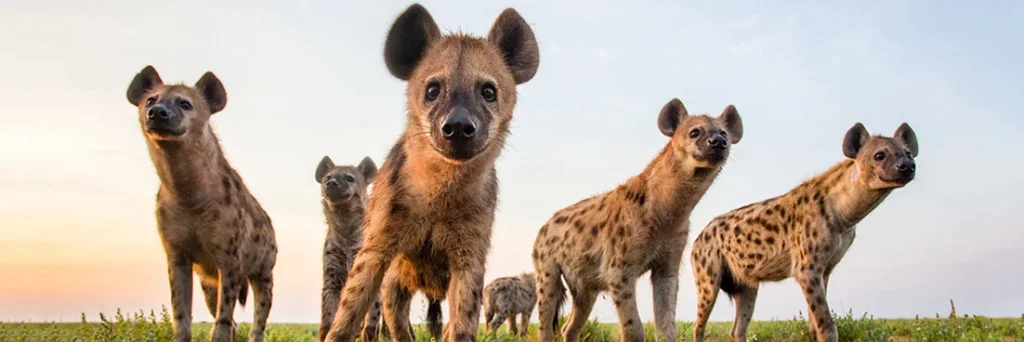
[344, 201]
[607, 241]
[208, 221]
[431, 212]
[506, 297]
[801, 234]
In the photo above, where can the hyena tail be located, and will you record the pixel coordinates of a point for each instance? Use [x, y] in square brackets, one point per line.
[434, 320]
[243, 294]
[560, 299]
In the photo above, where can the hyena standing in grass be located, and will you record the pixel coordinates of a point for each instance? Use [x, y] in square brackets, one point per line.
[802, 234]
[607, 241]
[344, 202]
[506, 297]
[431, 212]
[208, 221]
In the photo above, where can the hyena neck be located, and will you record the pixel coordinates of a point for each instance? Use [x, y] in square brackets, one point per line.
[847, 197]
[672, 186]
[345, 219]
[431, 177]
[192, 169]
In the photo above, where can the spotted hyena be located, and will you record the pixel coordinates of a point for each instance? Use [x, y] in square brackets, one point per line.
[506, 297]
[802, 234]
[208, 221]
[605, 242]
[430, 215]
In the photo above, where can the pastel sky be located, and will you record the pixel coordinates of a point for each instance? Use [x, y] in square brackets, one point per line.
[306, 78]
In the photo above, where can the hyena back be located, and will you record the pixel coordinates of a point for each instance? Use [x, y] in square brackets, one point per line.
[208, 221]
[506, 297]
[605, 242]
[802, 234]
[430, 215]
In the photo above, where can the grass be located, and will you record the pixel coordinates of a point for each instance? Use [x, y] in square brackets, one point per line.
[157, 327]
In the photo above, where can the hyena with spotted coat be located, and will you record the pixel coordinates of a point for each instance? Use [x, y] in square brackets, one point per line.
[208, 221]
[606, 242]
[506, 297]
[431, 212]
[802, 234]
[343, 189]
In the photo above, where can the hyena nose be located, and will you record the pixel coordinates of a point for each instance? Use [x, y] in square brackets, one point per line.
[459, 126]
[718, 141]
[906, 166]
[158, 112]
[331, 183]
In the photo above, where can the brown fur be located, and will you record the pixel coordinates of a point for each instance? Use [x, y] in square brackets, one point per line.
[506, 297]
[208, 221]
[802, 234]
[606, 242]
[429, 219]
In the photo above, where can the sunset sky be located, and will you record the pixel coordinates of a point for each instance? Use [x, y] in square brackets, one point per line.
[307, 78]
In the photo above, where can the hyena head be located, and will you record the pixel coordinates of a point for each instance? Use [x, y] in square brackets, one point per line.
[344, 184]
[529, 279]
[175, 112]
[883, 162]
[461, 89]
[703, 140]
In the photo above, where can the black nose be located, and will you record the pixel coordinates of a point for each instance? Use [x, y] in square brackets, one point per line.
[158, 113]
[331, 183]
[906, 166]
[718, 142]
[459, 126]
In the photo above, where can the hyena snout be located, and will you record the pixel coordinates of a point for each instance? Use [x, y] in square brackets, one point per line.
[718, 142]
[337, 190]
[164, 121]
[462, 135]
[459, 127]
[907, 168]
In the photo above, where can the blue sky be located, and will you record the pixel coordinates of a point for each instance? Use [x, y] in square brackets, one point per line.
[307, 78]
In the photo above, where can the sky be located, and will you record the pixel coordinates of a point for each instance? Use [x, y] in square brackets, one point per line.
[307, 79]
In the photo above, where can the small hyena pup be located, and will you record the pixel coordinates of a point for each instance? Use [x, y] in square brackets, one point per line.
[606, 242]
[506, 297]
[429, 218]
[343, 189]
[208, 221]
[802, 234]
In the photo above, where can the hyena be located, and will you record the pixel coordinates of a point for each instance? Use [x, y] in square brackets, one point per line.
[208, 221]
[430, 215]
[506, 297]
[802, 234]
[605, 242]
[343, 189]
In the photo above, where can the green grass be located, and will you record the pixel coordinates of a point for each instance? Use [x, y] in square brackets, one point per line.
[157, 327]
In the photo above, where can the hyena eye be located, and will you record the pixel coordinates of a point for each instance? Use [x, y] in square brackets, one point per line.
[350, 179]
[433, 90]
[723, 133]
[879, 156]
[489, 93]
[184, 104]
[150, 101]
[694, 133]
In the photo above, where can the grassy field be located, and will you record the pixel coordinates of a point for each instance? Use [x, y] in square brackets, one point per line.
[155, 326]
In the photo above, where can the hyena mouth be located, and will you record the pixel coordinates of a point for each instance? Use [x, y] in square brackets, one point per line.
[165, 132]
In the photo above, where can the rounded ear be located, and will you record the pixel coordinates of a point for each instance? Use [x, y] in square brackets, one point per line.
[730, 118]
[213, 92]
[143, 82]
[855, 138]
[368, 168]
[906, 134]
[671, 115]
[321, 170]
[409, 36]
[513, 36]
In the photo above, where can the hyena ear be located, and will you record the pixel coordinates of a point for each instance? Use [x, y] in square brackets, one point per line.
[368, 168]
[143, 82]
[321, 170]
[413, 31]
[513, 36]
[213, 92]
[671, 115]
[730, 118]
[855, 138]
[906, 134]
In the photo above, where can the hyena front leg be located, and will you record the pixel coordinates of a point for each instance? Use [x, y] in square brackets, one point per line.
[624, 297]
[230, 285]
[814, 291]
[179, 272]
[465, 292]
[263, 296]
[396, 300]
[665, 284]
[371, 325]
[358, 293]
